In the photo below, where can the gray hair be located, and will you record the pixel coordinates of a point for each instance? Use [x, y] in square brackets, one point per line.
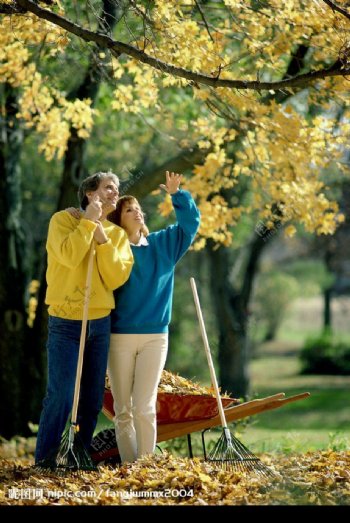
[92, 183]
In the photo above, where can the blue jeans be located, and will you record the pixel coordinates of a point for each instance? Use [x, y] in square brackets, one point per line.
[63, 349]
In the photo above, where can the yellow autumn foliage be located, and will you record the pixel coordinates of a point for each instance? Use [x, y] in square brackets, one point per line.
[40, 105]
[276, 149]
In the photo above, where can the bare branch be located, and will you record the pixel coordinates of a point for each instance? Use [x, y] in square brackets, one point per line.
[141, 13]
[204, 19]
[336, 7]
[116, 47]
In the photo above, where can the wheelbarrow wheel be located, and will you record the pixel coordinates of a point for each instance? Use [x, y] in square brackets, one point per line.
[104, 448]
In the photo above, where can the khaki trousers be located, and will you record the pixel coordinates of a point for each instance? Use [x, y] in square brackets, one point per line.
[135, 365]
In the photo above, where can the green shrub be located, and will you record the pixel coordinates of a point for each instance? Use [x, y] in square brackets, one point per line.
[325, 355]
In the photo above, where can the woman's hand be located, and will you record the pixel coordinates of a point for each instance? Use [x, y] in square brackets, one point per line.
[173, 181]
[74, 212]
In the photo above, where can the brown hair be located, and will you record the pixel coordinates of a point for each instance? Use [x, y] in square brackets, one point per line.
[115, 216]
[92, 183]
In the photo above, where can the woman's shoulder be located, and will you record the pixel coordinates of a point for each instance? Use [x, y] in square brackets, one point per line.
[151, 238]
[160, 234]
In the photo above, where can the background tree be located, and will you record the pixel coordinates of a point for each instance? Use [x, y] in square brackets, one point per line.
[171, 72]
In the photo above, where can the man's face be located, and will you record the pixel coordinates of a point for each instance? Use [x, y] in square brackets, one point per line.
[107, 193]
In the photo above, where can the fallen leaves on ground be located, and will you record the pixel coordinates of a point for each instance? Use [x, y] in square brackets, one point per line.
[314, 478]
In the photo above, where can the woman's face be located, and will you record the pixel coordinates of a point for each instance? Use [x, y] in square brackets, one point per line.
[131, 218]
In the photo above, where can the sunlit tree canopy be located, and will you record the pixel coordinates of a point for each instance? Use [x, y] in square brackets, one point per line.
[265, 82]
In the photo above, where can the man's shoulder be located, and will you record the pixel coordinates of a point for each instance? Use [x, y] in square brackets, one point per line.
[61, 216]
[64, 219]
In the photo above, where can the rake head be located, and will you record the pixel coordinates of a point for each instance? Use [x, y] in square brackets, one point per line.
[71, 456]
[231, 455]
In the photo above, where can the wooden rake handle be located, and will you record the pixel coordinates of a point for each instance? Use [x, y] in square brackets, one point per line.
[208, 353]
[87, 292]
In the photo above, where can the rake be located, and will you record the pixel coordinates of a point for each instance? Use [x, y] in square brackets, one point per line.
[71, 455]
[228, 453]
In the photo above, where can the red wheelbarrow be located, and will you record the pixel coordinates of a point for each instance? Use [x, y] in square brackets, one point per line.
[183, 414]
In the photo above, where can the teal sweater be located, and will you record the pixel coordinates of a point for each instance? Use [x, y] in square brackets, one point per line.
[143, 303]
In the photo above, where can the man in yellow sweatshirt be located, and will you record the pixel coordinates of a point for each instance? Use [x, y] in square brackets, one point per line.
[68, 246]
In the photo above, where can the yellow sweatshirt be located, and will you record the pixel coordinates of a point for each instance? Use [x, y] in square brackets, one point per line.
[68, 245]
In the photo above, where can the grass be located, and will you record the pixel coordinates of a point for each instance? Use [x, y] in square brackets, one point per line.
[267, 440]
[326, 408]
[319, 422]
[259, 440]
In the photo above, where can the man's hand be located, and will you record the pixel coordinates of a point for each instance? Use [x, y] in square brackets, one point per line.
[99, 234]
[93, 210]
[173, 181]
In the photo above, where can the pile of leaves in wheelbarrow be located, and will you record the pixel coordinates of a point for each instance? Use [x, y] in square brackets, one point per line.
[317, 478]
[176, 384]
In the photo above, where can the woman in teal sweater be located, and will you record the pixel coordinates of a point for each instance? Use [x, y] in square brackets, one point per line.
[139, 323]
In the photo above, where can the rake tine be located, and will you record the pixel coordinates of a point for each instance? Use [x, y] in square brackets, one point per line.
[71, 456]
[226, 458]
[230, 454]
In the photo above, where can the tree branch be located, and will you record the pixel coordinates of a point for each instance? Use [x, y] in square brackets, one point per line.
[116, 47]
[11, 9]
[336, 7]
[144, 181]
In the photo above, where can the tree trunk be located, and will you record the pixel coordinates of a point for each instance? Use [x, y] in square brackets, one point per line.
[14, 361]
[327, 312]
[232, 325]
[271, 333]
[329, 255]
[74, 171]
[232, 314]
